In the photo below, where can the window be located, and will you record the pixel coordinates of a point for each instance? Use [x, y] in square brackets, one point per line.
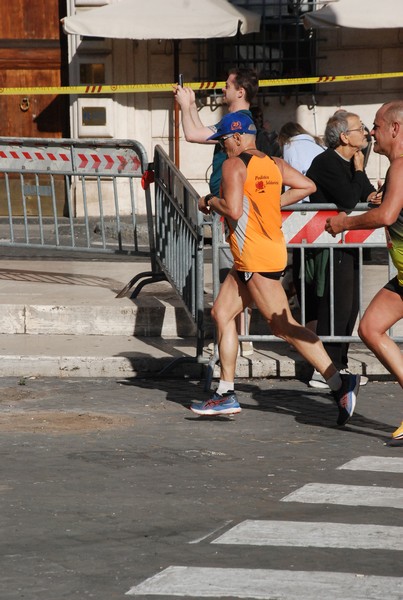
[282, 49]
[92, 73]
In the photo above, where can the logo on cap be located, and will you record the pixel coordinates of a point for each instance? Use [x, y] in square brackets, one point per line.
[236, 125]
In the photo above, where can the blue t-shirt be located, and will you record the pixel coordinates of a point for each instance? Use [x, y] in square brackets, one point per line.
[218, 158]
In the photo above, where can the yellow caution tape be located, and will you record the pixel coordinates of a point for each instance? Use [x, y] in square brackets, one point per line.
[167, 87]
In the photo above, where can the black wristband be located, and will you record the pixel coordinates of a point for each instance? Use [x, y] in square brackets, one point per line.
[208, 198]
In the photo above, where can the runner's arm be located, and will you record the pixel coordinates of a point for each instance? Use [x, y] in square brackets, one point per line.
[230, 204]
[383, 215]
[300, 186]
[193, 128]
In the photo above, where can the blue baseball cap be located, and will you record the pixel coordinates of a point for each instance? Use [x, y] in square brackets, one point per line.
[236, 122]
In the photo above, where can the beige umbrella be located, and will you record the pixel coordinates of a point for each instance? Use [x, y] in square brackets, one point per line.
[358, 14]
[164, 19]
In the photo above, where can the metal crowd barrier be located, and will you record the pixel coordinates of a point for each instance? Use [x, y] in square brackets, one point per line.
[303, 227]
[179, 246]
[72, 194]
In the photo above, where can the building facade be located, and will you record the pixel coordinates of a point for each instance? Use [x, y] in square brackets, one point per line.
[34, 51]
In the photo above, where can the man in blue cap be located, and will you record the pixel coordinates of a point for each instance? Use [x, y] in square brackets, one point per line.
[250, 200]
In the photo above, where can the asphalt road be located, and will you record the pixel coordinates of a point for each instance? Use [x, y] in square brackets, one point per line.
[105, 485]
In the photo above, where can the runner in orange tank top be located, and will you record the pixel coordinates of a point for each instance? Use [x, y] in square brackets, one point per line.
[250, 201]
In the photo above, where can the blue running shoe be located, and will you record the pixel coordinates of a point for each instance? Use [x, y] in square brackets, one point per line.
[226, 404]
[346, 397]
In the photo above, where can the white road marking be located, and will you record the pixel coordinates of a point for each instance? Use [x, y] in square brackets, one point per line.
[266, 584]
[352, 495]
[317, 535]
[211, 533]
[392, 464]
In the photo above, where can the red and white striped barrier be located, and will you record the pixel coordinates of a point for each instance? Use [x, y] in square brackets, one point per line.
[113, 161]
[18, 158]
[60, 158]
[308, 227]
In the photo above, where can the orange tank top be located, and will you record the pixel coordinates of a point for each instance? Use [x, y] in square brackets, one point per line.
[256, 239]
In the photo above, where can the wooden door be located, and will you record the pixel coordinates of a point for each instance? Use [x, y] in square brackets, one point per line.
[33, 53]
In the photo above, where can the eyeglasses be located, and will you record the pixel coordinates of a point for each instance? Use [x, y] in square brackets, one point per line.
[362, 129]
[222, 140]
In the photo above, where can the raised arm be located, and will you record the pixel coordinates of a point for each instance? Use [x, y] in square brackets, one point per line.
[193, 128]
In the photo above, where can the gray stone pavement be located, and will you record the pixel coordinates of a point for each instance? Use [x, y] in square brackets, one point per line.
[104, 483]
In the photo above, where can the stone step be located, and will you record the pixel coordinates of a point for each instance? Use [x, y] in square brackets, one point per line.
[62, 318]
[79, 298]
[146, 318]
[118, 356]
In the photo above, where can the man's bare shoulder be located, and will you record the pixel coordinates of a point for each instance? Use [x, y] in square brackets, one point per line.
[233, 162]
[393, 196]
[233, 166]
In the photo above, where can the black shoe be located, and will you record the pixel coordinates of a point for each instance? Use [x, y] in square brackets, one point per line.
[346, 397]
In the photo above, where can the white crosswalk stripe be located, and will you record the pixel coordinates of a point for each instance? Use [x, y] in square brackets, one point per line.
[267, 584]
[352, 495]
[375, 463]
[313, 534]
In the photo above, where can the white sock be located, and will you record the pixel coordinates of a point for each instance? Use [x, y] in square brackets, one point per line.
[334, 382]
[225, 386]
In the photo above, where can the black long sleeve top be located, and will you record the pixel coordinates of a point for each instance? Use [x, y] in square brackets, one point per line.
[337, 181]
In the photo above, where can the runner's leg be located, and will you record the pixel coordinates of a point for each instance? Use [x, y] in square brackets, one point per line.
[384, 310]
[271, 300]
[230, 302]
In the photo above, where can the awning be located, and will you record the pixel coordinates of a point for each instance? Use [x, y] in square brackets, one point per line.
[163, 19]
[358, 14]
